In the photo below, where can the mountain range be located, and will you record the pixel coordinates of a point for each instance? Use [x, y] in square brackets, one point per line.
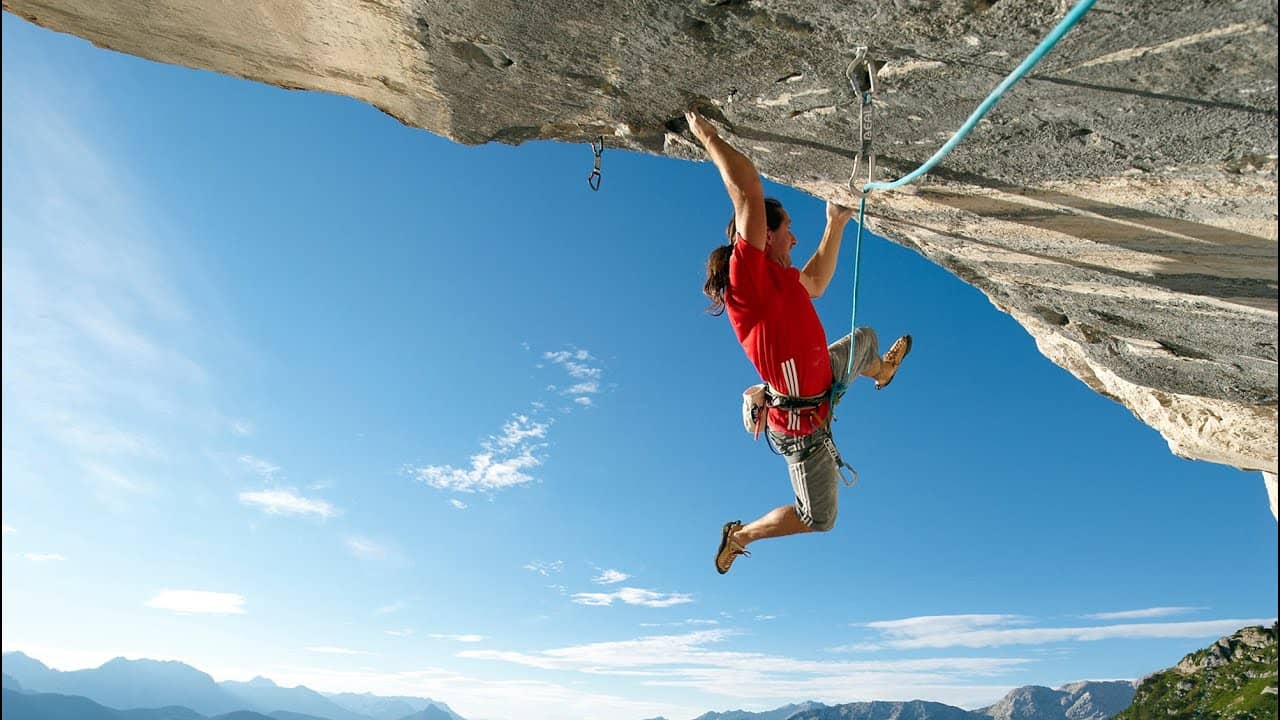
[130, 684]
[1236, 677]
[1077, 701]
[1233, 678]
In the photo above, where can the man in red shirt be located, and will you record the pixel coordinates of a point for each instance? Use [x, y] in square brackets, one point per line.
[771, 309]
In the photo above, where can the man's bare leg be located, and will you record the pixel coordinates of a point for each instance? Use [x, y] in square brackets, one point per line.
[777, 522]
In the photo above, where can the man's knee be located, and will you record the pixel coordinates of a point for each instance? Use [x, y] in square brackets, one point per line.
[823, 521]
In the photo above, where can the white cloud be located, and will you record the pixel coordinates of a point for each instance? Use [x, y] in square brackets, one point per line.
[503, 463]
[545, 569]
[110, 479]
[399, 633]
[459, 638]
[43, 557]
[457, 503]
[330, 650]
[198, 602]
[692, 661]
[104, 312]
[365, 547]
[581, 367]
[633, 596]
[260, 466]
[1152, 612]
[8, 529]
[977, 631]
[489, 698]
[287, 502]
[610, 576]
[679, 623]
[243, 428]
[396, 606]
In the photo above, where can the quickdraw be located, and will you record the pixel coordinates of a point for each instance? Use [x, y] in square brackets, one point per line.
[862, 78]
[597, 147]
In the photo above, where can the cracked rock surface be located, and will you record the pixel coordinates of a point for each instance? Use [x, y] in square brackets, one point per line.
[1119, 202]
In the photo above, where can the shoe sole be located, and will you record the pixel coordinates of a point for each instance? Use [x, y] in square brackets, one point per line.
[897, 366]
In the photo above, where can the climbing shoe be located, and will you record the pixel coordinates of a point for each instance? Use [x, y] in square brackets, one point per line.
[894, 357]
[729, 550]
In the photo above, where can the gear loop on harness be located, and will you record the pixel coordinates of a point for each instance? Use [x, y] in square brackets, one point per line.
[597, 147]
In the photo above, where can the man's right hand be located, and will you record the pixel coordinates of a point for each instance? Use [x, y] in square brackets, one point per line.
[701, 127]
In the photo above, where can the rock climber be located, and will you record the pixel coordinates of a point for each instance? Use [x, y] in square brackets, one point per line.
[770, 306]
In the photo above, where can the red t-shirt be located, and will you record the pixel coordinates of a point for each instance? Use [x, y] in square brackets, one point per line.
[775, 321]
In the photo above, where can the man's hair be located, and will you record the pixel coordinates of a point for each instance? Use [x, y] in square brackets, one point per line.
[718, 260]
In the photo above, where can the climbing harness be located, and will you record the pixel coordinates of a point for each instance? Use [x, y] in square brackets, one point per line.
[597, 147]
[758, 399]
[861, 74]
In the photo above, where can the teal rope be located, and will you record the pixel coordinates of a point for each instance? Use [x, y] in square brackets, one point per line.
[1045, 46]
[840, 387]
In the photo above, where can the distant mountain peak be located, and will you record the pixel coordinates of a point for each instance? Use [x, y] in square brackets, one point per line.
[261, 682]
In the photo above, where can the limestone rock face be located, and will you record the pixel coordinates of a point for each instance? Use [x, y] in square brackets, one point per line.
[1119, 202]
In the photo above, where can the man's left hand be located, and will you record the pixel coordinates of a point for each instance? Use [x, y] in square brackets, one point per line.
[838, 213]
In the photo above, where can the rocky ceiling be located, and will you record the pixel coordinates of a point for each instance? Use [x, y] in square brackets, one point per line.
[1120, 203]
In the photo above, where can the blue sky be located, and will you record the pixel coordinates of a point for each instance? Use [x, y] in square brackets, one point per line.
[293, 390]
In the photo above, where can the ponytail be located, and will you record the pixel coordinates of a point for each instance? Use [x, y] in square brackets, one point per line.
[718, 276]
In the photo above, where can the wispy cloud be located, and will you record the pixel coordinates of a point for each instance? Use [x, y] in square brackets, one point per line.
[693, 661]
[330, 650]
[8, 529]
[287, 502]
[490, 698]
[457, 503]
[633, 596]
[192, 602]
[545, 569]
[584, 371]
[610, 576]
[43, 557]
[243, 428]
[403, 632]
[108, 478]
[680, 623]
[979, 631]
[1143, 613]
[396, 606]
[458, 638]
[505, 461]
[366, 547]
[266, 469]
[98, 342]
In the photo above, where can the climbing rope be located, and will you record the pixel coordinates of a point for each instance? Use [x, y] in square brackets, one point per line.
[863, 86]
[597, 147]
[1044, 47]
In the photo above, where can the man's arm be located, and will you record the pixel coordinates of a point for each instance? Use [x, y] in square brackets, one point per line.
[740, 178]
[817, 273]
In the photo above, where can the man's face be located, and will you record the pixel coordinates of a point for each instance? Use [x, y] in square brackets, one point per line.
[780, 242]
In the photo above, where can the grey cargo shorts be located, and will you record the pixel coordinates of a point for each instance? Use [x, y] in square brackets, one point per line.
[813, 462]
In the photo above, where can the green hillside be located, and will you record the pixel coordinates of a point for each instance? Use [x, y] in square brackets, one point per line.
[1232, 679]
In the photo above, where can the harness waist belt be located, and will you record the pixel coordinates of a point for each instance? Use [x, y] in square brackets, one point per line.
[792, 402]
